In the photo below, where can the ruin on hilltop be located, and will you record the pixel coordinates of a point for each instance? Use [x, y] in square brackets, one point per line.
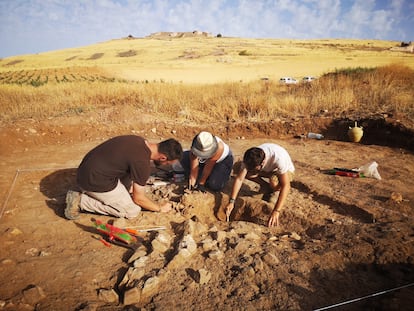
[404, 47]
[173, 34]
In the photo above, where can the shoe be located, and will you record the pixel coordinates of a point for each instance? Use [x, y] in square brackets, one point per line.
[72, 211]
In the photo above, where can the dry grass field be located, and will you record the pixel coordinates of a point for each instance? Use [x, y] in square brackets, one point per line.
[340, 240]
[236, 78]
[215, 60]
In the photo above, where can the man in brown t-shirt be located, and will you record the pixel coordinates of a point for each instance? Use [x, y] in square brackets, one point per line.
[113, 175]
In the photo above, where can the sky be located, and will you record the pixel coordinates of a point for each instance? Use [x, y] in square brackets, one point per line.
[35, 26]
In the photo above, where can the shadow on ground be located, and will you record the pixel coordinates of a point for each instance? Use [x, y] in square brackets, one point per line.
[55, 186]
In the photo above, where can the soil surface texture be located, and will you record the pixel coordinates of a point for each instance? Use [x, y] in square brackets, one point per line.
[344, 243]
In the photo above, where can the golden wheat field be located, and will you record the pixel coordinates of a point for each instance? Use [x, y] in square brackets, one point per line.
[205, 60]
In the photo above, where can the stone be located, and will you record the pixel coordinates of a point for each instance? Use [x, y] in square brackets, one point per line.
[205, 276]
[161, 243]
[33, 294]
[221, 236]
[201, 276]
[295, 236]
[132, 275]
[257, 263]
[213, 228]
[271, 259]
[108, 295]
[216, 255]
[32, 252]
[140, 252]
[252, 236]
[195, 228]
[249, 272]
[136, 274]
[14, 231]
[150, 286]
[132, 296]
[241, 227]
[244, 246]
[140, 262]
[209, 244]
[186, 248]
[7, 261]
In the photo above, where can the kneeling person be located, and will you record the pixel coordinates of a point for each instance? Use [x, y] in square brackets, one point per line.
[272, 162]
[113, 175]
[209, 162]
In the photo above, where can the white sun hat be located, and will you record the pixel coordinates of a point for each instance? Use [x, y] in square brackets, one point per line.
[204, 145]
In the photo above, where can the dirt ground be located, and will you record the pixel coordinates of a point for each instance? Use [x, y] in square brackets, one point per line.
[343, 243]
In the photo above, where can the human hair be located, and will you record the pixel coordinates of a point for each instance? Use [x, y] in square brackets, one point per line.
[171, 148]
[253, 157]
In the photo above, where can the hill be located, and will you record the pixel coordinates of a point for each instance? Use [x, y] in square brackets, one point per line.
[181, 57]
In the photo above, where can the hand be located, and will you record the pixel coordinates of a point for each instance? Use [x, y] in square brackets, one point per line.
[191, 183]
[165, 207]
[228, 210]
[274, 219]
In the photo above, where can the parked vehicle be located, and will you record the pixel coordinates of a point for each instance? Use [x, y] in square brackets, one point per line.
[287, 80]
[308, 79]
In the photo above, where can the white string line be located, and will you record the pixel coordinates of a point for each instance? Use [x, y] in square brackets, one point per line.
[364, 297]
[8, 195]
[18, 171]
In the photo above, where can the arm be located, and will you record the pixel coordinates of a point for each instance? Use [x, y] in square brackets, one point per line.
[139, 197]
[235, 191]
[210, 164]
[284, 183]
[193, 171]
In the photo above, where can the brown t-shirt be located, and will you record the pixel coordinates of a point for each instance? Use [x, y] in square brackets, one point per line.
[126, 158]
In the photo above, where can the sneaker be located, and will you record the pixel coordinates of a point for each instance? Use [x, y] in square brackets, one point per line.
[72, 205]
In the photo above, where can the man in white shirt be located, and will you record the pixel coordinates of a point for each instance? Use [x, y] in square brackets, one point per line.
[267, 161]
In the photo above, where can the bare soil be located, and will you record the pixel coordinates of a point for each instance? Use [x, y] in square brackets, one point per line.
[341, 239]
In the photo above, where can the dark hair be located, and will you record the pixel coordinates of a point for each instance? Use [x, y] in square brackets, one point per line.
[171, 148]
[253, 157]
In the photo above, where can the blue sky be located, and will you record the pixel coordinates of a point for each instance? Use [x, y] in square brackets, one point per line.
[34, 26]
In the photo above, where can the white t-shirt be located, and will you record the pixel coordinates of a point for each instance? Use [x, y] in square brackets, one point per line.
[225, 153]
[277, 159]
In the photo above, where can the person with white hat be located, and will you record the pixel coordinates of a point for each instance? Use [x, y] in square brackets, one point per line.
[208, 164]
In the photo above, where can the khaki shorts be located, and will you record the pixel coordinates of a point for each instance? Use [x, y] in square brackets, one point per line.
[117, 202]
